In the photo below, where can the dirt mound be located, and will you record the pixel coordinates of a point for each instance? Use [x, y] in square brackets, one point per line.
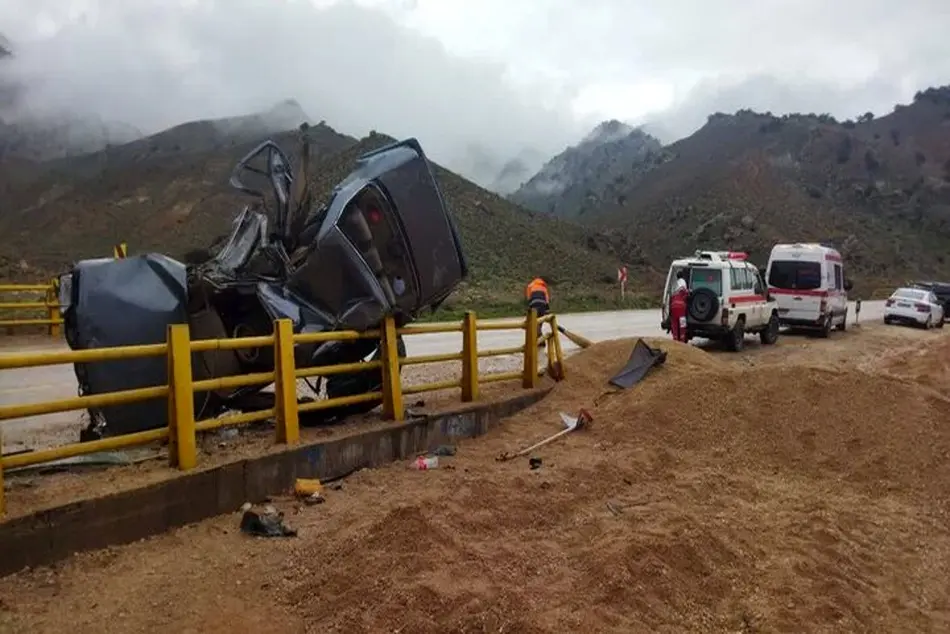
[927, 364]
[713, 496]
[590, 369]
[878, 430]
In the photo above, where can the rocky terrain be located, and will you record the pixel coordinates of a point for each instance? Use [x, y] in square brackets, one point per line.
[567, 185]
[877, 188]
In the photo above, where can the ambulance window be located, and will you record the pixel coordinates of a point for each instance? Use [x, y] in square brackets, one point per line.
[795, 275]
[746, 279]
[706, 278]
[839, 283]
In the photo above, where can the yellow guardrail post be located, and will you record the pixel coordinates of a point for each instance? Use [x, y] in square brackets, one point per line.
[52, 299]
[392, 387]
[3, 507]
[285, 383]
[120, 251]
[469, 358]
[530, 374]
[560, 373]
[182, 444]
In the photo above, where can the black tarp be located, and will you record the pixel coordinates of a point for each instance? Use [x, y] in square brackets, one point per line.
[641, 360]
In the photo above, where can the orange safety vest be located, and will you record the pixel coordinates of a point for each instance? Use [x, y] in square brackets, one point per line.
[537, 285]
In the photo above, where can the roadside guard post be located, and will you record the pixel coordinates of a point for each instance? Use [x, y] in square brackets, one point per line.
[52, 311]
[120, 251]
[392, 389]
[857, 312]
[3, 508]
[182, 450]
[529, 378]
[469, 358]
[285, 383]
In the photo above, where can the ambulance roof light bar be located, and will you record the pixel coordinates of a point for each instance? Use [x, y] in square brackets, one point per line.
[720, 256]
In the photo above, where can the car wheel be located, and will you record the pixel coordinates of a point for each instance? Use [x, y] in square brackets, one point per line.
[702, 304]
[887, 321]
[736, 337]
[825, 331]
[939, 325]
[843, 326]
[770, 334]
[929, 323]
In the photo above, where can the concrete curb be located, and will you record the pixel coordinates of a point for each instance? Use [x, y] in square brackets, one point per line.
[52, 535]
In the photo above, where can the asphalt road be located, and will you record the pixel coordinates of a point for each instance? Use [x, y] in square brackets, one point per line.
[57, 382]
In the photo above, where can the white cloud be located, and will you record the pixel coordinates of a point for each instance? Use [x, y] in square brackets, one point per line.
[496, 75]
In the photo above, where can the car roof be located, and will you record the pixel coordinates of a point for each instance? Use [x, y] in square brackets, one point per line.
[912, 289]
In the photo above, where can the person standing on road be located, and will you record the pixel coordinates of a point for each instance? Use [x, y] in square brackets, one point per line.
[538, 297]
[678, 308]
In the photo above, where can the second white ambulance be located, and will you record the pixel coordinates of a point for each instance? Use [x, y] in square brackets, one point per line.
[807, 280]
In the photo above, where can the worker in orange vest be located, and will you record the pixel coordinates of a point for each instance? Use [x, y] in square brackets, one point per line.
[538, 297]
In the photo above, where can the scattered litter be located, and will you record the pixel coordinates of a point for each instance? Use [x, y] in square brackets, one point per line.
[424, 463]
[571, 423]
[268, 523]
[316, 498]
[99, 459]
[444, 450]
[304, 487]
[534, 463]
[310, 490]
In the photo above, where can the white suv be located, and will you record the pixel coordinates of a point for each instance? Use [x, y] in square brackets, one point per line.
[727, 299]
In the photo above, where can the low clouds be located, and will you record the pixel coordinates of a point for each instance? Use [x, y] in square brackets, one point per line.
[479, 82]
[152, 66]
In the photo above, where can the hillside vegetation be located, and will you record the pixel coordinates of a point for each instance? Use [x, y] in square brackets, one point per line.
[169, 193]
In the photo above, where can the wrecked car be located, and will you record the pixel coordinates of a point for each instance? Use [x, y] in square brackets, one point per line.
[383, 244]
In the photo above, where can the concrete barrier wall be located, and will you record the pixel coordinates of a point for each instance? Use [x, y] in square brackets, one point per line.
[54, 534]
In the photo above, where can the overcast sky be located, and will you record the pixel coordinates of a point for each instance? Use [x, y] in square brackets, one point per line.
[475, 80]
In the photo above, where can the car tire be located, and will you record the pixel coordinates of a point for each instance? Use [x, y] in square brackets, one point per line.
[769, 335]
[843, 326]
[735, 340]
[825, 331]
[939, 325]
[887, 321]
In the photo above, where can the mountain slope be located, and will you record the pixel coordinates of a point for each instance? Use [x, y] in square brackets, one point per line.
[878, 189]
[567, 183]
[163, 196]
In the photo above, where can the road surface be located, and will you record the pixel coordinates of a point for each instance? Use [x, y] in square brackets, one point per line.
[57, 382]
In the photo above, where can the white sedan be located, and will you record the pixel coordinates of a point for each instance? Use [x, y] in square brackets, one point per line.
[914, 306]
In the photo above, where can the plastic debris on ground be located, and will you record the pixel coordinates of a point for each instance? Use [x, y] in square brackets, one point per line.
[267, 523]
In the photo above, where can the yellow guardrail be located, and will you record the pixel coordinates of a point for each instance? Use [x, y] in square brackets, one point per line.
[47, 304]
[181, 433]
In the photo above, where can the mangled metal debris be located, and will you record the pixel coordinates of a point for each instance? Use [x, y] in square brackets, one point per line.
[384, 243]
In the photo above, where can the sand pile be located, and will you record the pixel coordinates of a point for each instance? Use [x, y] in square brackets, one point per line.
[709, 497]
[713, 497]
[925, 364]
[878, 430]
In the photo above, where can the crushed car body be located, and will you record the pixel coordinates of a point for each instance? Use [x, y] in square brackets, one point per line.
[383, 244]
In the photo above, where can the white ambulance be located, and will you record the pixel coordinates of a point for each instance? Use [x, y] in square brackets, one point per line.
[727, 299]
[808, 281]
